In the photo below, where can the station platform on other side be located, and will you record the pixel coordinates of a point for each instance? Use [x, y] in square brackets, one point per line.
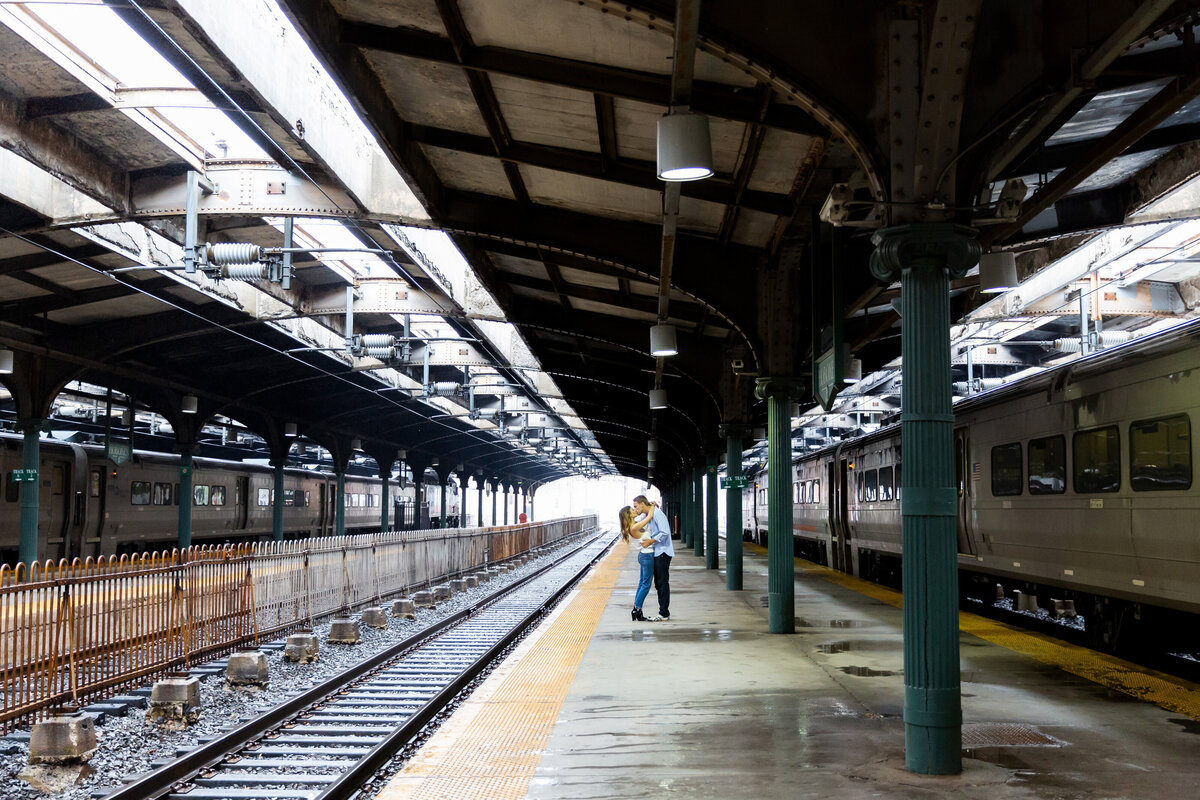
[710, 705]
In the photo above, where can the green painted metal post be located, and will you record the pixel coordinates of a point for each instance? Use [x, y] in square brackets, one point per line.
[442, 517]
[781, 565]
[505, 504]
[185, 497]
[924, 256]
[698, 510]
[733, 515]
[384, 499]
[277, 505]
[711, 555]
[479, 488]
[339, 525]
[31, 456]
[494, 505]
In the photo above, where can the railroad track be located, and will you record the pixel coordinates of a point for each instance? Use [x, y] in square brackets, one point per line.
[330, 741]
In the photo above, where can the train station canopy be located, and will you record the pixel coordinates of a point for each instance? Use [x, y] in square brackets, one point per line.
[482, 177]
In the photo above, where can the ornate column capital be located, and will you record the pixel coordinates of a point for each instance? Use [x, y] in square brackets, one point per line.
[783, 388]
[937, 244]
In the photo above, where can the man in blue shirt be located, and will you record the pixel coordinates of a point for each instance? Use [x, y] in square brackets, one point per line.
[658, 531]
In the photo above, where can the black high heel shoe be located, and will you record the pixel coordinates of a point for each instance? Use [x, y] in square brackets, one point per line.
[636, 615]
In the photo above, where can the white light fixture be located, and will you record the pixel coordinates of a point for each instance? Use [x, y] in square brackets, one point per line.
[356, 444]
[684, 147]
[6, 362]
[189, 404]
[434, 462]
[662, 341]
[997, 272]
[401, 454]
[652, 446]
[289, 430]
[658, 398]
[458, 468]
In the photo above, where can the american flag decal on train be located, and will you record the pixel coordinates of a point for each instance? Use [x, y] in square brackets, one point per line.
[975, 471]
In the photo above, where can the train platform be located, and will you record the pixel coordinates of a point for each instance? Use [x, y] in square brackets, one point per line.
[710, 705]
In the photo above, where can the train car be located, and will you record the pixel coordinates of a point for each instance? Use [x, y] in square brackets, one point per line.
[1075, 484]
[433, 501]
[87, 505]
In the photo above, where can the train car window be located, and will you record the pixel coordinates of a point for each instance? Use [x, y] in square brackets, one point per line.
[1160, 454]
[1006, 470]
[264, 497]
[796, 493]
[858, 486]
[307, 499]
[58, 477]
[375, 500]
[162, 494]
[870, 486]
[200, 495]
[139, 493]
[289, 498]
[816, 495]
[1048, 465]
[897, 484]
[885, 483]
[216, 496]
[1096, 463]
[94, 483]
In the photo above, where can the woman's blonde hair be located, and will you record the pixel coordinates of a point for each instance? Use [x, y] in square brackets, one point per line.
[625, 515]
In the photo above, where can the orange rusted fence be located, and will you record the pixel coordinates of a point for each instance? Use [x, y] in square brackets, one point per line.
[76, 632]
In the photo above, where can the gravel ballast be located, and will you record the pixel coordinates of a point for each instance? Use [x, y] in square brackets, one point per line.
[128, 746]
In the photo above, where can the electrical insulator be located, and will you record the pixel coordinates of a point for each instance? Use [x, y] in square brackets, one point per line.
[443, 389]
[224, 254]
[245, 272]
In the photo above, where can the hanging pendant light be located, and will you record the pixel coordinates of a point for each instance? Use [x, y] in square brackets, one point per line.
[997, 272]
[684, 147]
[662, 340]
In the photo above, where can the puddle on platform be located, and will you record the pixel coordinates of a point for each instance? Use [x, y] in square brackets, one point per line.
[847, 645]
[1188, 725]
[1000, 756]
[831, 623]
[664, 634]
[867, 672]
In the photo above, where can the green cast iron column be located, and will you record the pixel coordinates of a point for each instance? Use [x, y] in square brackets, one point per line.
[685, 508]
[924, 256]
[340, 509]
[698, 510]
[444, 484]
[479, 518]
[384, 500]
[185, 496]
[781, 566]
[277, 505]
[710, 471]
[505, 504]
[733, 515]
[31, 456]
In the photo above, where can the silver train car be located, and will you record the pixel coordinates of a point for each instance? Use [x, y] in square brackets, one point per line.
[88, 506]
[1074, 484]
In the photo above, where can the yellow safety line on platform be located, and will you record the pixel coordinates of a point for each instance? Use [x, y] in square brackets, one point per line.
[493, 743]
[1164, 691]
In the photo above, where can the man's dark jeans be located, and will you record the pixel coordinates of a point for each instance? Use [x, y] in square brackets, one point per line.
[662, 583]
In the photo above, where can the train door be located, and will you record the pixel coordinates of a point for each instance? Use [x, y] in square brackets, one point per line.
[322, 506]
[838, 510]
[54, 509]
[964, 472]
[97, 509]
[241, 502]
[74, 530]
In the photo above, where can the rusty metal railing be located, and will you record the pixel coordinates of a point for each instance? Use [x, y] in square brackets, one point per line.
[76, 632]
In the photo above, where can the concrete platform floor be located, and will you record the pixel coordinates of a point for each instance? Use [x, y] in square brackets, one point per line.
[709, 705]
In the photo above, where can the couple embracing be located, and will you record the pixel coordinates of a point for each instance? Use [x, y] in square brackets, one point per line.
[646, 522]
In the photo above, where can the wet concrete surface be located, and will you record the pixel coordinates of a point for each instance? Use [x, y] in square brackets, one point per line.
[710, 705]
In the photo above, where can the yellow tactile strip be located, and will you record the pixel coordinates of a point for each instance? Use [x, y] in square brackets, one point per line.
[493, 743]
[1164, 691]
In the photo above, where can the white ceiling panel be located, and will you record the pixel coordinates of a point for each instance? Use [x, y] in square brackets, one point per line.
[546, 114]
[427, 93]
[469, 172]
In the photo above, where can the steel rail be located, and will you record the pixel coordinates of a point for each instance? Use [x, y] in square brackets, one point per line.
[175, 776]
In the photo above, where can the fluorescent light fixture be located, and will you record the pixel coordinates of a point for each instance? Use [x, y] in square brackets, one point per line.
[684, 147]
[289, 430]
[658, 398]
[997, 272]
[356, 444]
[662, 341]
[189, 404]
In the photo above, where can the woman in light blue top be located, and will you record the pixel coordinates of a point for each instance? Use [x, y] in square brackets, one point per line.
[631, 531]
